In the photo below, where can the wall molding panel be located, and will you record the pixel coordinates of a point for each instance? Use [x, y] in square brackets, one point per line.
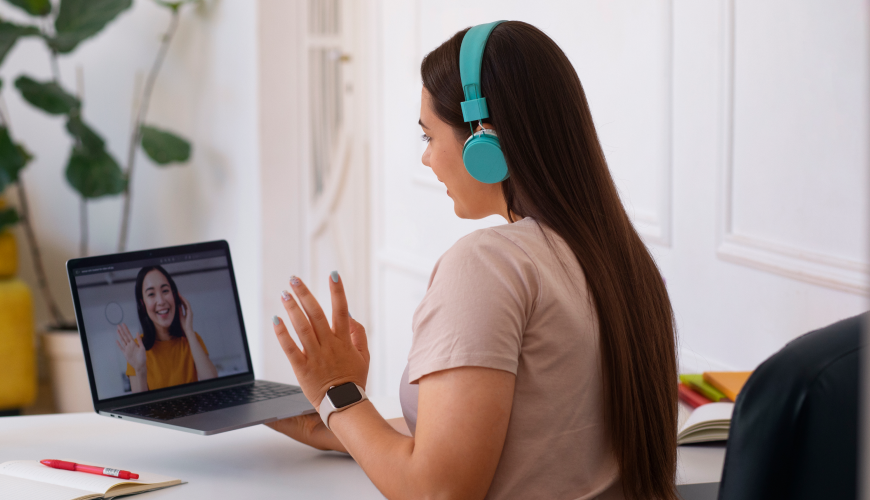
[753, 251]
[657, 227]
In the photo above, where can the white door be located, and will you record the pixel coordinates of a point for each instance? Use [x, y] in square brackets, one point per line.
[314, 178]
[338, 226]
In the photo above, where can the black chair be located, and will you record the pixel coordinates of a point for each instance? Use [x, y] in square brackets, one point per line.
[794, 432]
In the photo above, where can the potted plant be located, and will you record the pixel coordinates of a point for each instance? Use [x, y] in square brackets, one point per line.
[91, 171]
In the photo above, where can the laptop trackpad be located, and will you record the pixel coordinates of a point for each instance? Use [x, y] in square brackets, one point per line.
[246, 415]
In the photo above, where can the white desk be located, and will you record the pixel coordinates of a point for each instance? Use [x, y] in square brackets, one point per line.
[255, 462]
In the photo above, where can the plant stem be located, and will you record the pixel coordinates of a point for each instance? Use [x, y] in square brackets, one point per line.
[42, 281]
[83, 204]
[83, 238]
[55, 69]
[137, 125]
[36, 256]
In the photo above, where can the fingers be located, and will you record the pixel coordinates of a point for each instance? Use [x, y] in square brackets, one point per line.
[124, 333]
[291, 350]
[340, 316]
[300, 323]
[309, 304]
[359, 339]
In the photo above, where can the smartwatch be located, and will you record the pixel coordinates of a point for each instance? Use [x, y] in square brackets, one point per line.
[340, 398]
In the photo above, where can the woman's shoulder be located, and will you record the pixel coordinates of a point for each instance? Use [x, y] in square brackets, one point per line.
[497, 242]
[516, 241]
[184, 341]
[491, 252]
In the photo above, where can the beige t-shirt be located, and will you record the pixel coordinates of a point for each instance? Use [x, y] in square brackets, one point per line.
[500, 298]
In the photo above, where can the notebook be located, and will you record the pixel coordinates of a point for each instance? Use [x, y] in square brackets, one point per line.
[729, 383]
[31, 479]
[710, 422]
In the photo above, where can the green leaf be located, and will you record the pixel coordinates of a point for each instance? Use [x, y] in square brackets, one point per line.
[8, 217]
[38, 8]
[47, 96]
[13, 158]
[164, 147]
[94, 174]
[90, 142]
[79, 20]
[174, 5]
[169, 5]
[10, 33]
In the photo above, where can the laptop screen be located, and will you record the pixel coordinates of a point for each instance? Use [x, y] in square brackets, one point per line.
[162, 321]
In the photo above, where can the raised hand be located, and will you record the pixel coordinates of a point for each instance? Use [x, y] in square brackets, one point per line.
[133, 349]
[186, 314]
[332, 355]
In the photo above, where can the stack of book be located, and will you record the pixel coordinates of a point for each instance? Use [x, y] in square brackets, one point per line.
[711, 387]
[711, 395]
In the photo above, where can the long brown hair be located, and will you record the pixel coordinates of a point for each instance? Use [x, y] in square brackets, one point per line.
[559, 177]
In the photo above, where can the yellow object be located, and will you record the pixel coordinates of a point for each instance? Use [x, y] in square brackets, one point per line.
[17, 355]
[729, 383]
[8, 255]
[169, 362]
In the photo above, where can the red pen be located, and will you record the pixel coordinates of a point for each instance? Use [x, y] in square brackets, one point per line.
[92, 469]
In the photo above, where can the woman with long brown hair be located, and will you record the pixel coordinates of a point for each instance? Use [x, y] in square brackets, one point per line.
[544, 349]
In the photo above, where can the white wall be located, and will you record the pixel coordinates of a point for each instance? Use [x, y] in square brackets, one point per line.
[737, 134]
[207, 92]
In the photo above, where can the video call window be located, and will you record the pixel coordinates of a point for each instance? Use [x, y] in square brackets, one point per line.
[142, 318]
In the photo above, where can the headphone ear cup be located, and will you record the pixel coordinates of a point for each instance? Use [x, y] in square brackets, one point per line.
[484, 159]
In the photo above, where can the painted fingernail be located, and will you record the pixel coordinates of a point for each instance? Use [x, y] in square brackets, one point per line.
[276, 321]
[285, 295]
[294, 281]
[334, 276]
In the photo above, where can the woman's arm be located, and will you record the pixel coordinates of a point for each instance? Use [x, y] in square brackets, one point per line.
[139, 382]
[463, 413]
[204, 367]
[309, 429]
[462, 420]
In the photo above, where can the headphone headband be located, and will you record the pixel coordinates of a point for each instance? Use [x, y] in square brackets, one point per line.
[481, 153]
[470, 56]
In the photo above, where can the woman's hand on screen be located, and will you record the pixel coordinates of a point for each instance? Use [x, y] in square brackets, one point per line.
[186, 314]
[330, 355]
[133, 349]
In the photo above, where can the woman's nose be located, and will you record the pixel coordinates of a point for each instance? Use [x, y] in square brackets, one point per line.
[426, 155]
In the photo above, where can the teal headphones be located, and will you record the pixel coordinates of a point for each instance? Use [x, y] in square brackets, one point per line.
[482, 152]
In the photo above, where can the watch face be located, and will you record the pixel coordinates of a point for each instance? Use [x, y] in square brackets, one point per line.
[344, 394]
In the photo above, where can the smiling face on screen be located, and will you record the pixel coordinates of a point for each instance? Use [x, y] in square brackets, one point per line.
[158, 298]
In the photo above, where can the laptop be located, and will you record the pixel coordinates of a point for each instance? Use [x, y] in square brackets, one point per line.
[131, 313]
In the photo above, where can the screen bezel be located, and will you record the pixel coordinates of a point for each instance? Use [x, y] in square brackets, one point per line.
[167, 392]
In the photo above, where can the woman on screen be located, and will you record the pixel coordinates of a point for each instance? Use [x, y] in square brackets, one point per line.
[164, 353]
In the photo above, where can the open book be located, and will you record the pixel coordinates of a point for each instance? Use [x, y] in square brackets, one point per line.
[31, 479]
[710, 422]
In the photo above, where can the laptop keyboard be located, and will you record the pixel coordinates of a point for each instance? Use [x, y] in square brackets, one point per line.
[210, 401]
